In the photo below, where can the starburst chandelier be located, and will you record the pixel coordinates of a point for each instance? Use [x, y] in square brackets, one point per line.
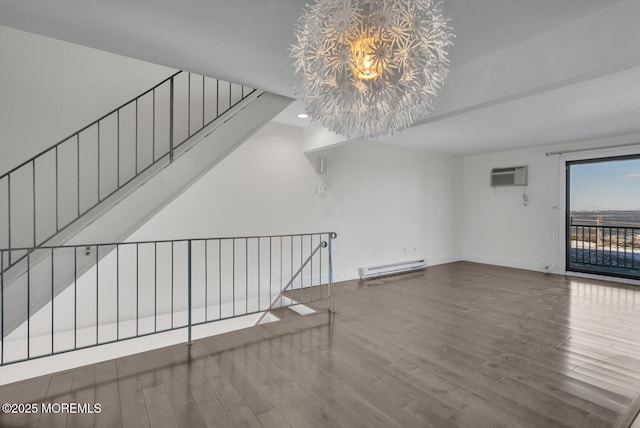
[370, 67]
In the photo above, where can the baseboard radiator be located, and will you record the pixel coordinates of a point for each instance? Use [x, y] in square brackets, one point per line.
[392, 269]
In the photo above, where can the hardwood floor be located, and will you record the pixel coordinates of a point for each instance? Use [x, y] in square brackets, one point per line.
[458, 345]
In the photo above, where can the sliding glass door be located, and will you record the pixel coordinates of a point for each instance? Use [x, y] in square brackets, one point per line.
[603, 216]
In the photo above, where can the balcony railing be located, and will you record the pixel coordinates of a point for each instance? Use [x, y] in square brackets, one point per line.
[81, 296]
[607, 249]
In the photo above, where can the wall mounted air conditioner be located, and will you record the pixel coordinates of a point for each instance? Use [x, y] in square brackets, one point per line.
[514, 176]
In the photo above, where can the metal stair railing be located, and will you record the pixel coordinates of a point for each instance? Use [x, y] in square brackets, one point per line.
[138, 289]
[280, 295]
[43, 196]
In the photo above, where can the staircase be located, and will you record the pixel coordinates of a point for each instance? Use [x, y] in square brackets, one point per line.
[104, 180]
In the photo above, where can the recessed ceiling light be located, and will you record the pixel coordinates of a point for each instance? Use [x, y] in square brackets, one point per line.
[303, 116]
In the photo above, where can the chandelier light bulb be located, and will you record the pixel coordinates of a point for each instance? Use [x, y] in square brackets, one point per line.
[368, 68]
[362, 59]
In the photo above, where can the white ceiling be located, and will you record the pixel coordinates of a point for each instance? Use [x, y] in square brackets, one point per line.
[247, 41]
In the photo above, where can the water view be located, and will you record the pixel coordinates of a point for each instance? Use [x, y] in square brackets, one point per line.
[604, 220]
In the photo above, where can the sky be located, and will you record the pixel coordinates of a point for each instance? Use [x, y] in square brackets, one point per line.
[609, 185]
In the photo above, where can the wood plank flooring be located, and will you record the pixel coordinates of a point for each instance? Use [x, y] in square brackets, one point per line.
[458, 345]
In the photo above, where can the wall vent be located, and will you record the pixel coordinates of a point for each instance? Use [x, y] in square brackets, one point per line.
[513, 176]
[392, 269]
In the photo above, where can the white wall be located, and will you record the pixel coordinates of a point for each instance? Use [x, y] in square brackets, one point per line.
[51, 88]
[498, 229]
[386, 203]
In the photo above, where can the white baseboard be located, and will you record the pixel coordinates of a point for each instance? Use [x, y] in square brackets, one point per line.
[435, 261]
[516, 264]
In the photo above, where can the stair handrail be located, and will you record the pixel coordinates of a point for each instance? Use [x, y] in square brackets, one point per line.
[323, 244]
[47, 150]
[37, 232]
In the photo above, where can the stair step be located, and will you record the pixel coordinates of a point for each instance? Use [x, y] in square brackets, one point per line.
[284, 313]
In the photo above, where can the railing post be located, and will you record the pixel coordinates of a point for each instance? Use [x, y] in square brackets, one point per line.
[189, 292]
[332, 236]
[171, 89]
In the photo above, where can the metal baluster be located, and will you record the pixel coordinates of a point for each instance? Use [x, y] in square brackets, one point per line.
[629, 242]
[1, 307]
[320, 270]
[172, 242]
[233, 276]
[589, 243]
[610, 247]
[118, 292]
[203, 104]
[220, 278]
[189, 105]
[206, 281]
[171, 123]
[624, 242]
[617, 247]
[270, 267]
[153, 127]
[583, 252]
[597, 245]
[97, 296]
[75, 298]
[28, 304]
[99, 196]
[597, 239]
[155, 286]
[33, 180]
[57, 195]
[332, 236]
[259, 294]
[9, 215]
[189, 309]
[311, 265]
[281, 270]
[136, 139]
[52, 300]
[78, 169]
[137, 290]
[118, 148]
[217, 98]
[246, 275]
[291, 271]
[633, 248]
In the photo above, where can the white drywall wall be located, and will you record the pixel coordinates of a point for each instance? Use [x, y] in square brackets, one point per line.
[498, 229]
[386, 203]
